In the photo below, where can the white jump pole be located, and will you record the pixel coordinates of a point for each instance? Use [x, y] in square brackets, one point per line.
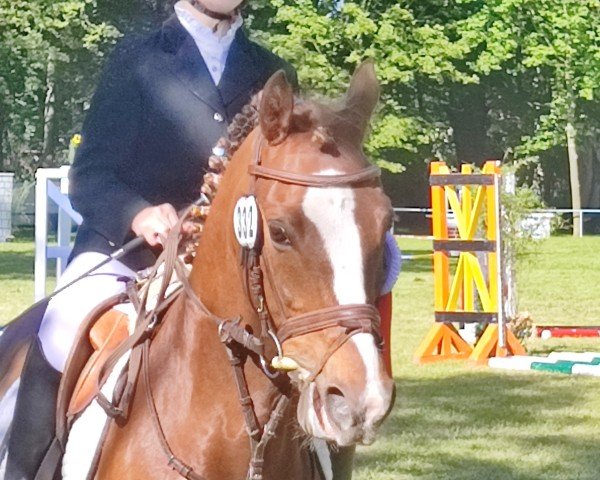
[499, 261]
[46, 190]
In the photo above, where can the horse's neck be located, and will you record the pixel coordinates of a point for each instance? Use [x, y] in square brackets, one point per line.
[194, 376]
[217, 276]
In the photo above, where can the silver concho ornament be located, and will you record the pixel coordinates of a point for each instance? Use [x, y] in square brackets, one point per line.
[245, 221]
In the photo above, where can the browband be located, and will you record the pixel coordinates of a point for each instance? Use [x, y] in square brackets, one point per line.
[311, 180]
[256, 170]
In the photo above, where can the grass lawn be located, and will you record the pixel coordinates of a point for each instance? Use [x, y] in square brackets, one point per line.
[16, 278]
[454, 421]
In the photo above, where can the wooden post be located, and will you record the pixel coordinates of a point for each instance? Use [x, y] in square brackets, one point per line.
[454, 299]
[440, 231]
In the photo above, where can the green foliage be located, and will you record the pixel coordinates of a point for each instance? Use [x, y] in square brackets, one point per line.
[535, 64]
[537, 61]
[554, 45]
[517, 209]
[327, 40]
[49, 54]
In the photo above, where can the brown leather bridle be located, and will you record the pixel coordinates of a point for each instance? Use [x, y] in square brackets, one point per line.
[353, 319]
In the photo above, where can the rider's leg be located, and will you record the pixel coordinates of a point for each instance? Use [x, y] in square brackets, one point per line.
[67, 310]
[33, 421]
[34, 418]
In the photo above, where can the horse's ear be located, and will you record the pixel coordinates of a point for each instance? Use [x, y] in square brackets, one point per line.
[276, 106]
[362, 95]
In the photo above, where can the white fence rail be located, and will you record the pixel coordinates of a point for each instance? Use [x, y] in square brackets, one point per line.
[6, 187]
[52, 185]
[577, 214]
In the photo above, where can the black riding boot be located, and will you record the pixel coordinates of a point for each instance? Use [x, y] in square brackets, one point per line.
[35, 416]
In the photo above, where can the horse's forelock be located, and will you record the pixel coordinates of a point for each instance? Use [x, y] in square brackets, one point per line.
[331, 126]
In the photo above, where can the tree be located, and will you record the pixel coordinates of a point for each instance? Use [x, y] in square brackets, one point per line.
[47, 50]
[326, 40]
[556, 45]
[463, 80]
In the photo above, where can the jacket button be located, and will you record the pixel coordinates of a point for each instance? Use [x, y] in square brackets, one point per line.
[218, 117]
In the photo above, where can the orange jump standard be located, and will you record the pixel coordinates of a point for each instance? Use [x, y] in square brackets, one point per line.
[479, 197]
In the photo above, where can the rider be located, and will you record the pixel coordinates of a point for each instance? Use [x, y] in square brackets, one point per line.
[162, 103]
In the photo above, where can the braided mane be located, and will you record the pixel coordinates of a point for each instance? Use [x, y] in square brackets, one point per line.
[240, 127]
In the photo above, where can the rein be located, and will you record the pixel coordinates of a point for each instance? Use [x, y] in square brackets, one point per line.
[232, 334]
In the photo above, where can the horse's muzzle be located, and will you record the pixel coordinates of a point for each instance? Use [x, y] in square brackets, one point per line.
[347, 412]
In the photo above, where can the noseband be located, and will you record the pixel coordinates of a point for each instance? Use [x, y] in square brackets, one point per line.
[353, 318]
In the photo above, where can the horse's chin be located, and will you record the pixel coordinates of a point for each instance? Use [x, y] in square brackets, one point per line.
[317, 420]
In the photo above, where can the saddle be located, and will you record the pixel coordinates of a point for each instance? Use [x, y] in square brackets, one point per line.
[110, 331]
[103, 331]
[82, 351]
[107, 332]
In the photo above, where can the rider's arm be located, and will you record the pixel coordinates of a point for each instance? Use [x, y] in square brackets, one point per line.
[111, 129]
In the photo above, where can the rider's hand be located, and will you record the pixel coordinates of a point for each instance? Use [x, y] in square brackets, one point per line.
[154, 223]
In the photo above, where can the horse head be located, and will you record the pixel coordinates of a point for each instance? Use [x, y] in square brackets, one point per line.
[321, 218]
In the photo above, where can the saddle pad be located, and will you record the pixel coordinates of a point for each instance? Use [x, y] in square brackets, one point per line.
[109, 331]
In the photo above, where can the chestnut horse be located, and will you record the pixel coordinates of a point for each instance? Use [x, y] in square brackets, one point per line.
[322, 217]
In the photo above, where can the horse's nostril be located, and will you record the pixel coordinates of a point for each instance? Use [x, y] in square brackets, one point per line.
[334, 391]
[338, 407]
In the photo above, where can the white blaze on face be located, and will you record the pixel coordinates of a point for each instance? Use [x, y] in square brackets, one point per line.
[332, 212]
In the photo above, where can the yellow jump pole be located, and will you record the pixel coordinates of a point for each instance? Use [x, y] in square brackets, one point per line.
[496, 340]
[499, 276]
[454, 301]
[442, 342]
[468, 304]
[439, 226]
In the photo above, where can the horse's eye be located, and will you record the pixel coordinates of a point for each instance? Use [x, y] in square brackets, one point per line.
[278, 235]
